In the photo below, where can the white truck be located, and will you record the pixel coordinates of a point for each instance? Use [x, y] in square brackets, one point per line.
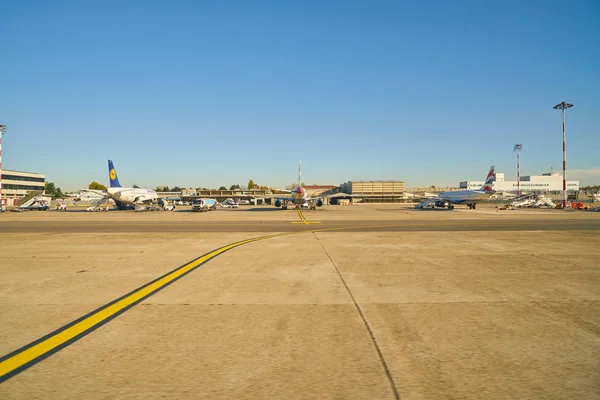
[204, 205]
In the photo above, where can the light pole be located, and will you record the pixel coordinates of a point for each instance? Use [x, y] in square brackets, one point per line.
[563, 106]
[2, 130]
[518, 148]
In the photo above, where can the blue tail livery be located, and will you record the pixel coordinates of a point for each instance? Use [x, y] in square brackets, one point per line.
[112, 175]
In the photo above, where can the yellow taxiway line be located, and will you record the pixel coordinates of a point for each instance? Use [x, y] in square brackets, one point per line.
[34, 352]
[303, 220]
[19, 360]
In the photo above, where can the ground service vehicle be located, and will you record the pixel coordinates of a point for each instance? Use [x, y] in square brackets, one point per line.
[204, 205]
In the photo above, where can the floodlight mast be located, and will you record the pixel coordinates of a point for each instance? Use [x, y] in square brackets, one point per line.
[518, 148]
[2, 130]
[563, 106]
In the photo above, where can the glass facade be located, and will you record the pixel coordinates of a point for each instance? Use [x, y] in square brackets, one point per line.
[9, 186]
[21, 178]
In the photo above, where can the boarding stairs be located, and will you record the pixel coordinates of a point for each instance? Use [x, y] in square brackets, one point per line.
[543, 201]
[426, 203]
[35, 202]
[27, 200]
[99, 205]
[532, 200]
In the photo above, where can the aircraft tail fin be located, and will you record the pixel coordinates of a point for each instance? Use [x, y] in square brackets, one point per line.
[487, 186]
[112, 175]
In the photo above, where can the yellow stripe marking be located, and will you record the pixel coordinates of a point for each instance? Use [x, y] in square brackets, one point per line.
[31, 353]
[28, 355]
[303, 220]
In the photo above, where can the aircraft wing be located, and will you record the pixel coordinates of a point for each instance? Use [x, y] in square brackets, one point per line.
[98, 192]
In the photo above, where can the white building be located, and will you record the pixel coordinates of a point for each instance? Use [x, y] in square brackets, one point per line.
[16, 184]
[548, 182]
[85, 196]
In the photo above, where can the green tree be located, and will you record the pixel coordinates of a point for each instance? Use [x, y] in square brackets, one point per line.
[135, 186]
[251, 184]
[52, 190]
[234, 187]
[96, 186]
[49, 188]
[222, 188]
[175, 189]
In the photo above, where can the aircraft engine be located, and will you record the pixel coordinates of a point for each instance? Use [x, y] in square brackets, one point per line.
[319, 202]
[277, 203]
[440, 203]
[120, 205]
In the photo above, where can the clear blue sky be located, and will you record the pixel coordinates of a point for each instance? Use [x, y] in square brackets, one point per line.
[205, 93]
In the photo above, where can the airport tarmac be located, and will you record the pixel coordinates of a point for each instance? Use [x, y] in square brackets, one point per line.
[271, 219]
[372, 302]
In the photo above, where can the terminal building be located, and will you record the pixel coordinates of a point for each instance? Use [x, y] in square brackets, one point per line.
[318, 190]
[16, 184]
[220, 194]
[373, 191]
[547, 182]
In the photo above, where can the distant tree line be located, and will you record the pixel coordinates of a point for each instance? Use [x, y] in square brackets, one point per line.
[251, 186]
[167, 189]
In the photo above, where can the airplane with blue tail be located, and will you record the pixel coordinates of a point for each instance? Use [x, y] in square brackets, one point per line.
[125, 195]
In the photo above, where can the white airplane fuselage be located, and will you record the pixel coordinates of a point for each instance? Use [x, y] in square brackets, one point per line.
[132, 195]
[299, 195]
[465, 196]
[468, 197]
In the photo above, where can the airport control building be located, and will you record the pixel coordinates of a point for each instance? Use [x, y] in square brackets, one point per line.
[16, 184]
[548, 182]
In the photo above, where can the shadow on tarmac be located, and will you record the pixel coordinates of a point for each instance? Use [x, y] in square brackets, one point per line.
[272, 208]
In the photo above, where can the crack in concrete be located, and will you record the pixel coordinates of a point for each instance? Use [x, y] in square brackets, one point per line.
[364, 319]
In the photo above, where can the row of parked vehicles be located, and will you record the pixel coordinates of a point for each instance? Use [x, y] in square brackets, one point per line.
[202, 205]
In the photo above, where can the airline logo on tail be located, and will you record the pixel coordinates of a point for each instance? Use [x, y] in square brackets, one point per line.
[112, 175]
[487, 186]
